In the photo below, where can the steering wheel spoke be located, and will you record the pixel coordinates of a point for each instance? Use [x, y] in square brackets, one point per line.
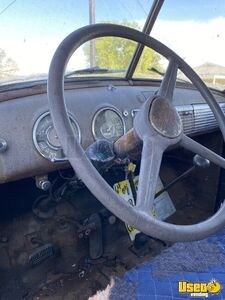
[169, 81]
[150, 166]
[195, 147]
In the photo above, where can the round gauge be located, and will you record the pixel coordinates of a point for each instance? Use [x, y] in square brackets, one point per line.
[108, 124]
[46, 140]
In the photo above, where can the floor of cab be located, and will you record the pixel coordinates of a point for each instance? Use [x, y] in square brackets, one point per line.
[124, 271]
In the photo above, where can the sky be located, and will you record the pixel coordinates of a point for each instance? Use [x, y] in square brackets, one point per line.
[30, 30]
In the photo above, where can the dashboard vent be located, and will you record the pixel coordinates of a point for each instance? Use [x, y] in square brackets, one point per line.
[196, 118]
[186, 113]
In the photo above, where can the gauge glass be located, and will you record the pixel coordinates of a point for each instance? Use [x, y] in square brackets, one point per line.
[108, 124]
[46, 140]
[52, 137]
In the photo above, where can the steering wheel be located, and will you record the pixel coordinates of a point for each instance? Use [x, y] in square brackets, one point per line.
[157, 124]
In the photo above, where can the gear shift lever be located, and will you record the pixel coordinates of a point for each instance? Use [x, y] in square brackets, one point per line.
[198, 162]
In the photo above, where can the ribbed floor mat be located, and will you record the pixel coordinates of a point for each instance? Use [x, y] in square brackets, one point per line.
[158, 279]
[194, 262]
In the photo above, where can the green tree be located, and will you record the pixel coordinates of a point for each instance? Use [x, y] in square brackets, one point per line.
[8, 67]
[116, 53]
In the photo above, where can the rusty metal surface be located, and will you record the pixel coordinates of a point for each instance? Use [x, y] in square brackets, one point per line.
[165, 119]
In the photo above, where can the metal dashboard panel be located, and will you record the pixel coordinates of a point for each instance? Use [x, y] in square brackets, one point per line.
[18, 116]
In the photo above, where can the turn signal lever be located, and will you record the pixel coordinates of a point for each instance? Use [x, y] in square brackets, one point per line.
[198, 162]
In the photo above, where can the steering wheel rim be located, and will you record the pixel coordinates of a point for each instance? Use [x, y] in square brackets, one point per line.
[135, 216]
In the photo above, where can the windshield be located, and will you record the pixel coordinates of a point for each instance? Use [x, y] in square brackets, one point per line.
[195, 31]
[31, 31]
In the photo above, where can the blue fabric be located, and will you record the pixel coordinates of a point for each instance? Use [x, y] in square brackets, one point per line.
[154, 285]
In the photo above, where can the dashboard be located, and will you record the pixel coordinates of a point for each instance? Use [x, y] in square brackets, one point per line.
[96, 112]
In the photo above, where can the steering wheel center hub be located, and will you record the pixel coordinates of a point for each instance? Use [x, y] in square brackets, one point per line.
[164, 118]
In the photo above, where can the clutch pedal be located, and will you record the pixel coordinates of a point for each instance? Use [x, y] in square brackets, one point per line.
[42, 253]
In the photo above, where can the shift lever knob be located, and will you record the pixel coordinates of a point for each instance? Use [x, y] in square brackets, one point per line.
[200, 161]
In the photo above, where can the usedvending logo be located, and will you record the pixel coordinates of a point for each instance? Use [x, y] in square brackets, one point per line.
[200, 289]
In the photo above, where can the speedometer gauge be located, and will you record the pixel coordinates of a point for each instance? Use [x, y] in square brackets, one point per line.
[108, 124]
[46, 140]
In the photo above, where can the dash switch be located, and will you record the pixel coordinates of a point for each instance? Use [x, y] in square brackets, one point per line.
[3, 145]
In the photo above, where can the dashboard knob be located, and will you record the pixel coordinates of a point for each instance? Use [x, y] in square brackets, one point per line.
[45, 185]
[42, 182]
[3, 145]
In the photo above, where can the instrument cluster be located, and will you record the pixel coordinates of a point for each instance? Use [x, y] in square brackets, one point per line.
[107, 124]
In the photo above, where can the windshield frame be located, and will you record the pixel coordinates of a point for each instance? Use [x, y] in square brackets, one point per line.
[149, 23]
